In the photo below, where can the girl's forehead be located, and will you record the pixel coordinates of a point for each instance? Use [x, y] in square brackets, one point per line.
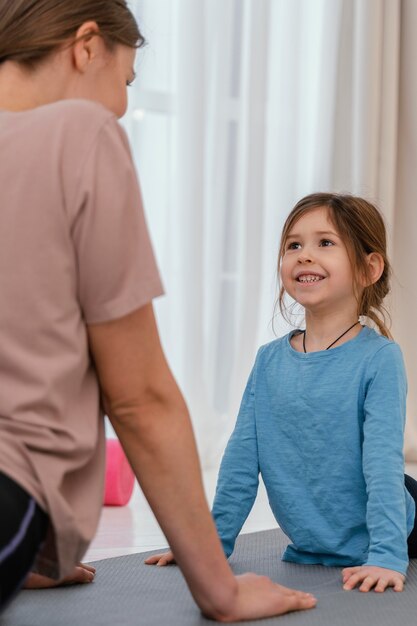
[317, 217]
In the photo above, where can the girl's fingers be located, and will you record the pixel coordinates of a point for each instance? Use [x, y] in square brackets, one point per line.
[367, 584]
[351, 582]
[347, 572]
[381, 585]
[350, 570]
[377, 580]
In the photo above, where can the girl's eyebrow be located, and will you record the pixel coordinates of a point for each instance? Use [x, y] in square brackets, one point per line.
[317, 232]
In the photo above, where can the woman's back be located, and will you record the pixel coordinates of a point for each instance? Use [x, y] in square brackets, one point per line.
[70, 223]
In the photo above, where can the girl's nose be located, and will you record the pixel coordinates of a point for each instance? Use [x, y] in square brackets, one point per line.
[304, 257]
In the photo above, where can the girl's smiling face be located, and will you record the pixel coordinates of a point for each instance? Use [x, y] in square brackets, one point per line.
[316, 270]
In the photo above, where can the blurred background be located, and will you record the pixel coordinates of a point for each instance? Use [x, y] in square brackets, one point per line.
[240, 108]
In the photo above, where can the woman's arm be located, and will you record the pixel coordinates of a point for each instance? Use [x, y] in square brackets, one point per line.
[151, 420]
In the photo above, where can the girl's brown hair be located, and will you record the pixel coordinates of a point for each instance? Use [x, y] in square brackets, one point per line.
[30, 30]
[362, 229]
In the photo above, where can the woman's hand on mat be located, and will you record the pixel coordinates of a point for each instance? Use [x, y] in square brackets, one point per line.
[166, 558]
[258, 597]
[372, 577]
[81, 574]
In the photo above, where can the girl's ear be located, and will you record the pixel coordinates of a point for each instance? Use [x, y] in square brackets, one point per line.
[88, 45]
[375, 264]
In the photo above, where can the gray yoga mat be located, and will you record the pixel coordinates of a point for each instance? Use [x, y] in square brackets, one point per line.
[128, 593]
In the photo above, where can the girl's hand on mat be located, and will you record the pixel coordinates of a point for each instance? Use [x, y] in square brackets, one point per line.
[81, 574]
[167, 558]
[372, 577]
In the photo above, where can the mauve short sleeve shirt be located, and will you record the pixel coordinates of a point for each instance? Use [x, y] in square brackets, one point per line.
[74, 250]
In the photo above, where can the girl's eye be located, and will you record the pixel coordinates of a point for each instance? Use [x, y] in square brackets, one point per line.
[294, 245]
[325, 243]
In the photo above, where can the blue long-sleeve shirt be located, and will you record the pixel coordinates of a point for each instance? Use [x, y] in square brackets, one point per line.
[325, 430]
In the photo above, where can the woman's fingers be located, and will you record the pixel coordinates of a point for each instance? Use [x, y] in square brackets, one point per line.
[80, 575]
[260, 597]
[89, 568]
[296, 602]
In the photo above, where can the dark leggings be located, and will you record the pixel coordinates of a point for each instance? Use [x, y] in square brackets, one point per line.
[23, 528]
[411, 486]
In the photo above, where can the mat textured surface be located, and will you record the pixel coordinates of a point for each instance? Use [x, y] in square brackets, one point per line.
[128, 593]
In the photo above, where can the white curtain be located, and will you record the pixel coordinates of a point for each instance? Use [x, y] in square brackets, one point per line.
[405, 230]
[241, 108]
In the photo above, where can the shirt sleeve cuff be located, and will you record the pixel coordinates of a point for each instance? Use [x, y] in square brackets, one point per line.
[390, 562]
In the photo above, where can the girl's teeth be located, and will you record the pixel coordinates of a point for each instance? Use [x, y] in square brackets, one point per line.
[309, 279]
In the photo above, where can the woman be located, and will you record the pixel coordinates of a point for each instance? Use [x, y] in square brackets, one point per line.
[77, 328]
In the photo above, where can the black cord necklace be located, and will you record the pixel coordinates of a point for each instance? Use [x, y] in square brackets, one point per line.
[335, 341]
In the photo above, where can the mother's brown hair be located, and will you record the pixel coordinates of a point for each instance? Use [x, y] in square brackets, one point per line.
[30, 30]
[362, 229]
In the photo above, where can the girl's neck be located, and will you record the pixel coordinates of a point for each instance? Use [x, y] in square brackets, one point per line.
[323, 330]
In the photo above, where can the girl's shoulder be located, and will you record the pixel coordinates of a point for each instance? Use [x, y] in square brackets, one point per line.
[275, 349]
[376, 344]
[276, 344]
[382, 354]
[367, 345]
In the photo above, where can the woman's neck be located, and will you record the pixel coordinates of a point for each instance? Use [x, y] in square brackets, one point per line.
[21, 89]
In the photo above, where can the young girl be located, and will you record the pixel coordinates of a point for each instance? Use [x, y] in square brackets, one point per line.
[323, 412]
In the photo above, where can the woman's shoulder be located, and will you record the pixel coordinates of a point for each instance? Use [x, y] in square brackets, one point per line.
[66, 125]
[79, 119]
[75, 131]
[78, 109]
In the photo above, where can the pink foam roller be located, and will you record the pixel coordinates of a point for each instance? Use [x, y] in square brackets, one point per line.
[120, 479]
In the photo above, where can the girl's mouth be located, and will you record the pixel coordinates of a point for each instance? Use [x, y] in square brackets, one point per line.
[309, 278]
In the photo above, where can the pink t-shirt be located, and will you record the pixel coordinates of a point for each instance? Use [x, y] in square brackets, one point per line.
[74, 250]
